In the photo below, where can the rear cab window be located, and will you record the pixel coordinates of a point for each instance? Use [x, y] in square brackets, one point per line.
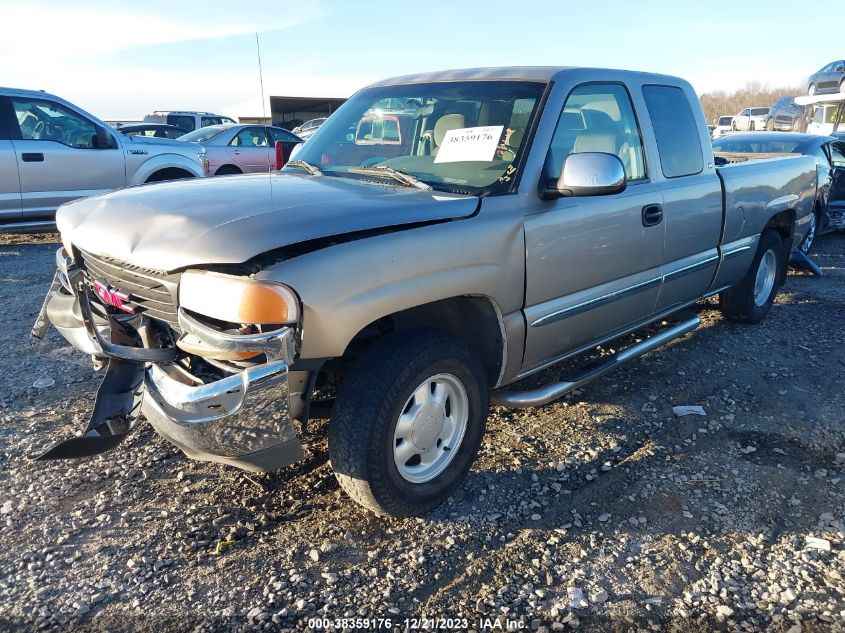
[675, 130]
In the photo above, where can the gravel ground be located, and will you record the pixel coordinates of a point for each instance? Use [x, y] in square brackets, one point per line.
[599, 512]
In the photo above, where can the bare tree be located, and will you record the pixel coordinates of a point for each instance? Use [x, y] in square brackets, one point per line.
[754, 94]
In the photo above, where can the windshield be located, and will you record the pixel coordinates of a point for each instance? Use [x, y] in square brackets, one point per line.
[753, 146]
[464, 137]
[203, 134]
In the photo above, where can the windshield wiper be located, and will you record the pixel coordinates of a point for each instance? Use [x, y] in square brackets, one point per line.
[311, 169]
[401, 176]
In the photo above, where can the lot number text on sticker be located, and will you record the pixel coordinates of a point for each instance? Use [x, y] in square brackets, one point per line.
[469, 143]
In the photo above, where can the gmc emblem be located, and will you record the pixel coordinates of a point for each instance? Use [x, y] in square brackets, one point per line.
[112, 297]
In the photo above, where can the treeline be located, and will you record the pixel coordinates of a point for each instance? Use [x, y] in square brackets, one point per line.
[754, 94]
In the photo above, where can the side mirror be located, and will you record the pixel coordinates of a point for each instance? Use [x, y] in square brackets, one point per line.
[104, 139]
[587, 174]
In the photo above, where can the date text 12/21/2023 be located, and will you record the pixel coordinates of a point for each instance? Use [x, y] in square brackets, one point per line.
[418, 624]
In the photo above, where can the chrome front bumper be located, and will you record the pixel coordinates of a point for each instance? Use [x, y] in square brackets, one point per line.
[243, 419]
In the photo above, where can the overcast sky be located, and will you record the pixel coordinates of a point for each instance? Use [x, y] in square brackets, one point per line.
[121, 60]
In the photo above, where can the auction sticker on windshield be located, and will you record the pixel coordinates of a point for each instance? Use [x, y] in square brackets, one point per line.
[469, 143]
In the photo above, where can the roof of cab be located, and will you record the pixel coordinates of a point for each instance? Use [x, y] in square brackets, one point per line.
[517, 73]
[23, 92]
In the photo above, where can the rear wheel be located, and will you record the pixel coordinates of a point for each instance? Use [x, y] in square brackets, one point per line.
[752, 298]
[733, 126]
[408, 422]
[751, 126]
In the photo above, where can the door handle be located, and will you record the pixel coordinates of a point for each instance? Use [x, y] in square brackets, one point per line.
[236, 152]
[652, 215]
[32, 157]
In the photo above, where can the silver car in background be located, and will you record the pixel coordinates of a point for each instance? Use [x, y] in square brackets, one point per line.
[239, 149]
[52, 152]
[307, 129]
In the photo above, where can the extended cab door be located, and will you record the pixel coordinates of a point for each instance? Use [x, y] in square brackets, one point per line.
[592, 263]
[692, 195]
[250, 149]
[10, 185]
[57, 154]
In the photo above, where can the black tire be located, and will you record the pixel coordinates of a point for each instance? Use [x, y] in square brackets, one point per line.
[751, 126]
[797, 125]
[738, 302]
[770, 125]
[811, 89]
[733, 126]
[228, 170]
[369, 403]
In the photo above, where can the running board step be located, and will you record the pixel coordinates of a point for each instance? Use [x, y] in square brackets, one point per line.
[548, 393]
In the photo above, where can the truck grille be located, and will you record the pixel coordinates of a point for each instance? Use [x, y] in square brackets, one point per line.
[150, 291]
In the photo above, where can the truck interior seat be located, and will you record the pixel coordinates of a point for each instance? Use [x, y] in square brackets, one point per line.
[444, 124]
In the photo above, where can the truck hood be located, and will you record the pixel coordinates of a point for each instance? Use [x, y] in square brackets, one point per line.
[228, 220]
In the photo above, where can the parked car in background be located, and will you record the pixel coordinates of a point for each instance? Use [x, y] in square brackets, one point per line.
[187, 119]
[156, 130]
[240, 148]
[308, 128]
[724, 124]
[831, 78]
[525, 215]
[785, 116]
[829, 153]
[750, 119]
[51, 152]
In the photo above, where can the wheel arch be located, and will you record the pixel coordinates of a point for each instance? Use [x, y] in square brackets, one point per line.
[475, 319]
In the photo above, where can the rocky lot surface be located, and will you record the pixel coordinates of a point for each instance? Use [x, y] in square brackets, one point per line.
[602, 511]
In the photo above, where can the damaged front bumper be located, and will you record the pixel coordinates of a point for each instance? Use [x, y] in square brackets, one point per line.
[243, 419]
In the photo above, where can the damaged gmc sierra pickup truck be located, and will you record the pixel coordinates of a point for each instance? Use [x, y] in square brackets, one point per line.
[439, 238]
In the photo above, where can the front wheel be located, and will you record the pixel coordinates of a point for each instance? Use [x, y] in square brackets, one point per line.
[751, 126]
[811, 90]
[408, 422]
[752, 298]
[770, 125]
[797, 125]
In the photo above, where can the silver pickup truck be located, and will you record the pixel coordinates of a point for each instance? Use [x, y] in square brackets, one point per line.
[439, 238]
[52, 152]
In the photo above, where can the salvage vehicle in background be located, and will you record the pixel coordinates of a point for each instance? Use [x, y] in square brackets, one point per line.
[187, 120]
[750, 119]
[520, 217]
[785, 116]
[238, 149]
[829, 154]
[829, 79]
[52, 151]
[724, 124]
[308, 128]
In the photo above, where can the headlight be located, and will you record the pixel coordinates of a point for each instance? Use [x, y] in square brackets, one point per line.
[237, 299]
